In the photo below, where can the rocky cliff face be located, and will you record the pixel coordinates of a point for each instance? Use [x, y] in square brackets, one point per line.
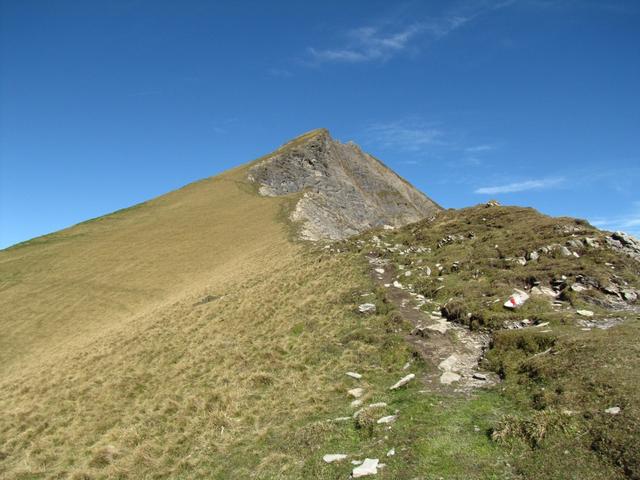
[345, 190]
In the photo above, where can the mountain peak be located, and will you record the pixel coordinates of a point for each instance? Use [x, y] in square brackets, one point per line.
[342, 190]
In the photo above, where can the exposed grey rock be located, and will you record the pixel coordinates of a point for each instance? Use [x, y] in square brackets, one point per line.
[533, 256]
[334, 457]
[585, 313]
[629, 295]
[565, 252]
[356, 392]
[545, 291]
[332, 175]
[403, 381]
[367, 308]
[448, 378]
[387, 419]
[591, 242]
[516, 300]
[575, 243]
[355, 375]
[368, 467]
[613, 410]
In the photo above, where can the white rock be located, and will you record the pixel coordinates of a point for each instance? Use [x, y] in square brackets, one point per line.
[565, 252]
[380, 270]
[403, 381]
[356, 403]
[367, 308]
[585, 313]
[407, 273]
[368, 467]
[356, 392]
[517, 299]
[546, 291]
[356, 462]
[391, 452]
[449, 377]
[613, 410]
[448, 363]
[387, 419]
[355, 375]
[341, 419]
[397, 284]
[334, 457]
[377, 405]
[438, 327]
[479, 376]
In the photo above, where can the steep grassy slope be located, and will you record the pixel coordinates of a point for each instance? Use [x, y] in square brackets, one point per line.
[59, 290]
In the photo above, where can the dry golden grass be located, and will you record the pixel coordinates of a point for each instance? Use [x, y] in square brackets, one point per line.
[62, 290]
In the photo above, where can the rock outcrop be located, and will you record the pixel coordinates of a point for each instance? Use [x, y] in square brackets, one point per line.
[344, 190]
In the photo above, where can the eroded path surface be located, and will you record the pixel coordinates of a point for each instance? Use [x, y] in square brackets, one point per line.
[451, 352]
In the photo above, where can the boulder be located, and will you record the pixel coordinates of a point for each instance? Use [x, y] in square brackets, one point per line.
[367, 308]
[544, 291]
[366, 468]
[403, 381]
[516, 300]
[356, 392]
[334, 457]
[387, 419]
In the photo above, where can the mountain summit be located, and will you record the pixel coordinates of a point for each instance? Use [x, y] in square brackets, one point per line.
[344, 190]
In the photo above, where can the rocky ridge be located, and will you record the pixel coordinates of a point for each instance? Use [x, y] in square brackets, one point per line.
[344, 191]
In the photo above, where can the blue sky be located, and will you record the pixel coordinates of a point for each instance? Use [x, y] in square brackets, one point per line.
[106, 104]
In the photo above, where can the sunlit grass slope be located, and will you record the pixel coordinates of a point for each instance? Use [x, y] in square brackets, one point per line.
[60, 290]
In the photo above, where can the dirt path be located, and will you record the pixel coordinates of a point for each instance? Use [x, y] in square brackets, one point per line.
[451, 351]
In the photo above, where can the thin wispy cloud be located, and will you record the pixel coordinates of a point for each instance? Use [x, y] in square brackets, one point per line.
[279, 72]
[539, 184]
[404, 136]
[383, 41]
[629, 222]
[480, 148]
[367, 44]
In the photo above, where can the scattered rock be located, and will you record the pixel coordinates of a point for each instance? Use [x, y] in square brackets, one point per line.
[448, 363]
[397, 284]
[367, 308]
[356, 403]
[613, 410]
[591, 242]
[449, 377]
[355, 375]
[546, 291]
[565, 252]
[391, 452]
[492, 203]
[533, 256]
[585, 313]
[479, 376]
[334, 457]
[368, 467]
[403, 381]
[356, 392]
[387, 419]
[516, 300]
[379, 270]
